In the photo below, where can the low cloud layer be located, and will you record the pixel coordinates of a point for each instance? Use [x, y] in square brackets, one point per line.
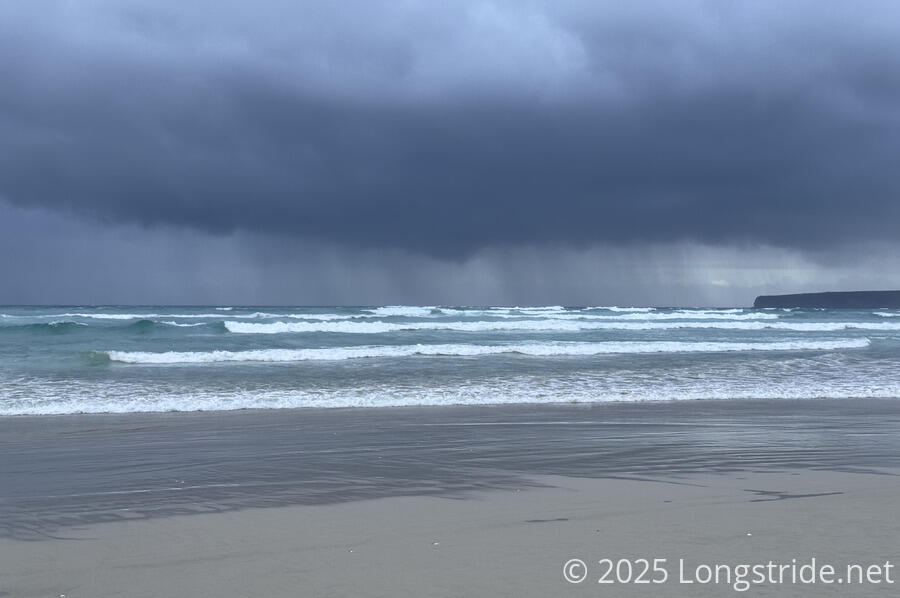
[448, 132]
[50, 258]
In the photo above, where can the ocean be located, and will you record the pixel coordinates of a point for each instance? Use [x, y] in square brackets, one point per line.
[122, 359]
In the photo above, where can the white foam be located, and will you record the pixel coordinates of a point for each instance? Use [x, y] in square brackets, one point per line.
[618, 314]
[154, 316]
[542, 325]
[183, 325]
[405, 311]
[676, 315]
[108, 316]
[317, 317]
[468, 350]
[799, 378]
[831, 326]
[887, 314]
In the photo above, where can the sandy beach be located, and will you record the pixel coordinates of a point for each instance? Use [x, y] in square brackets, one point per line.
[492, 543]
[356, 502]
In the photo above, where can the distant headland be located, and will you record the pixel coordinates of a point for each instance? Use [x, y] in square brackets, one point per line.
[841, 299]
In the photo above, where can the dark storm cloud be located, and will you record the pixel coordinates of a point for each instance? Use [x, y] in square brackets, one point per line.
[445, 128]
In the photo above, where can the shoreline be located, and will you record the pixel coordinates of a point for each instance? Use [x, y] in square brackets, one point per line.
[533, 404]
[234, 459]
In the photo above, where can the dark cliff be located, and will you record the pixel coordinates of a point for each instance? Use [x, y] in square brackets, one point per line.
[849, 300]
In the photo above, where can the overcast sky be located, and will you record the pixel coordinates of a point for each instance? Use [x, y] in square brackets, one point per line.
[516, 152]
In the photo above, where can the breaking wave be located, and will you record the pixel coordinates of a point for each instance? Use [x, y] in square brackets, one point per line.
[162, 358]
[543, 325]
[465, 350]
[797, 377]
[403, 311]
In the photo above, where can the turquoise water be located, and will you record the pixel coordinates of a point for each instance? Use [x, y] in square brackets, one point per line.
[68, 359]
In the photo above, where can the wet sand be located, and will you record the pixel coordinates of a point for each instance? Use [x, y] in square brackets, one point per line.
[443, 501]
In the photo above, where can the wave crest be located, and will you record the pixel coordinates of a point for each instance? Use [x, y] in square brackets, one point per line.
[543, 325]
[56, 327]
[467, 350]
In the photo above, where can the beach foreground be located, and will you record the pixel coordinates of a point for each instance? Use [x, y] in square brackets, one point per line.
[448, 501]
